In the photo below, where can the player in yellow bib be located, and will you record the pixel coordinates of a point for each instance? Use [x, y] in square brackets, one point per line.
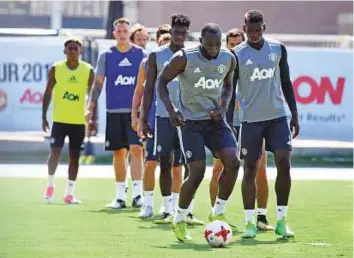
[69, 81]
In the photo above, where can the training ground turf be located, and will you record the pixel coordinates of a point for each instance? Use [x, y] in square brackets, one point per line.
[320, 213]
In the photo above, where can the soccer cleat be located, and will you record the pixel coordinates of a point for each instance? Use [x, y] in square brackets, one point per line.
[70, 199]
[146, 212]
[222, 217]
[166, 218]
[48, 196]
[263, 224]
[90, 160]
[137, 202]
[283, 230]
[116, 204]
[180, 231]
[191, 220]
[82, 159]
[250, 231]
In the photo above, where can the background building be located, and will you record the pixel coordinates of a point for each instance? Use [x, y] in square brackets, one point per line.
[297, 17]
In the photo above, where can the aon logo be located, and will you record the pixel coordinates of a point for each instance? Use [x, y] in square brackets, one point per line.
[262, 74]
[125, 80]
[70, 96]
[208, 83]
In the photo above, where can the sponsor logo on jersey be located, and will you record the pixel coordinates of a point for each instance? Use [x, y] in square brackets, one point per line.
[249, 62]
[208, 84]
[262, 74]
[72, 79]
[125, 80]
[70, 96]
[125, 62]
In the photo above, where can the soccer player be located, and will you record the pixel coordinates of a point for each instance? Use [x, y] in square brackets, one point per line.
[164, 39]
[235, 37]
[68, 80]
[119, 66]
[150, 158]
[205, 89]
[139, 35]
[262, 74]
[167, 142]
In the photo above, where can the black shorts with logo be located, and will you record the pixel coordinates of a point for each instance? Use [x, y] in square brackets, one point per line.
[76, 134]
[195, 135]
[275, 132]
[119, 131]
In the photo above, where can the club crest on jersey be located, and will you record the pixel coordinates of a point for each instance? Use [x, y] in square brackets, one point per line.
[273, 57]
[221, 68]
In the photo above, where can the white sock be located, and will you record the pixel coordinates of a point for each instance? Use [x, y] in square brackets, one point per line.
[261, 211]
[282, 212]
[149, 198]
[219, 207]
[120, 191]
[167, 204]
[175, 197]
[51, 180]
[180, 215]
[190, 207]
[70, 187]
[249, 216]
[137, 188]
[126, 183]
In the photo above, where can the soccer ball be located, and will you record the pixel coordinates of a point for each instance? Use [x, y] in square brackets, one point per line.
[218, 233]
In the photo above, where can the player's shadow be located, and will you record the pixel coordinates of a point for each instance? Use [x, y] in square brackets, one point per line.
[114, 211]
[253, 242]
[187, 246]
[163, 227]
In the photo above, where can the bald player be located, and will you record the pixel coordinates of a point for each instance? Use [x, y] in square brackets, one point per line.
[205, 74]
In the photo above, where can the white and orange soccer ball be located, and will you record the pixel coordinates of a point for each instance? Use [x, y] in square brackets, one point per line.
[218, 233]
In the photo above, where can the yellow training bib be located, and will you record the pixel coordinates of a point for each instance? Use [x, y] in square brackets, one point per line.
[69, 93]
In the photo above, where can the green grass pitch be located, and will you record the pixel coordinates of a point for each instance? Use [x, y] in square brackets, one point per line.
[320, 213]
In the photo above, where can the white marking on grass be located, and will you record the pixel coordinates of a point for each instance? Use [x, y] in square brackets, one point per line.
[318, 244]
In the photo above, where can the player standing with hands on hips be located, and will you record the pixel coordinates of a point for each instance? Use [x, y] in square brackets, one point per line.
[119, 67]
[262, 74]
